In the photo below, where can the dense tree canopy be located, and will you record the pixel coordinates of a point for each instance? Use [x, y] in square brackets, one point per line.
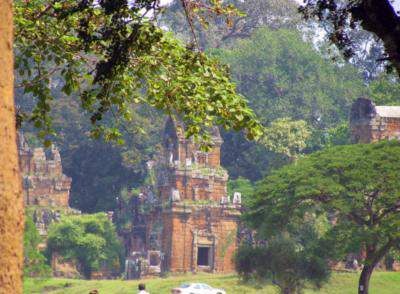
[112, 57]
[385, 90]
[91, 240]
[282, 76]
[287, 137]
[35, 263]
[289, 266]
[357, 186]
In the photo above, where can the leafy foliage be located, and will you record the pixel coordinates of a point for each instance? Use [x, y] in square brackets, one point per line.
[286, 137]
[35, 263]
[356, 185]
[91, 240]
[320, 139]
[385, 90]
[112, 56]
[219, 31]
[284, 77]
[280, 260]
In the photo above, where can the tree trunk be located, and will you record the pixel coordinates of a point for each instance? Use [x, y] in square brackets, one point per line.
[373, 257]
[11, 202]
[363, 283]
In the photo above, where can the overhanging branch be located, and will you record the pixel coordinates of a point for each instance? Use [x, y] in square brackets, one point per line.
[379, 17]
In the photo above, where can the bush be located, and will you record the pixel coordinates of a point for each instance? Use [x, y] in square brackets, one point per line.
[91, 240]
[280, 260]
[35, 263]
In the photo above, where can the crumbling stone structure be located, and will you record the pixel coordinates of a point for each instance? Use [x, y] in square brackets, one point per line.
[45, 187]
[370, 123]
[185, 221]
[44, 183]
[46, 195]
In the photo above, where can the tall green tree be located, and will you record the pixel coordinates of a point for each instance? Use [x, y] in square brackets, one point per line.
[357, 186]
[91, 240]
[385, 90]
[289, 266]
[283, 76]
[286, 137]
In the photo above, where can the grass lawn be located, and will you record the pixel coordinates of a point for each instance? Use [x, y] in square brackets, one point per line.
[340, 283]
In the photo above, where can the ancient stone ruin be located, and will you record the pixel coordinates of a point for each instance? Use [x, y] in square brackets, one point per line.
[370, 123]
[46, 195]
[45, 187]
[184, 220]
[44, 183]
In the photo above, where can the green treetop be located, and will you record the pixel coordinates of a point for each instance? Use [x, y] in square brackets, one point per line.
[356, 185]
[91, 240]
[283, 76]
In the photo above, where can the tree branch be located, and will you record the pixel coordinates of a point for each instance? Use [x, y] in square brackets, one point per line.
[359, 220]
[233, 30]
[392, 209]
[374, 256]
[379, 17]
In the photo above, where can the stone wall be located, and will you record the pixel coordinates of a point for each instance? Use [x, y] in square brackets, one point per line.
[200, 226]
[370, 123]
[44, 183]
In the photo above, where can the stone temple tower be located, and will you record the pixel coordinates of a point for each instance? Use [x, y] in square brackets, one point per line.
[185, 221]
[200, 226]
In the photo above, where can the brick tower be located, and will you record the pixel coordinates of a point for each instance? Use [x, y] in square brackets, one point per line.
[200, 225]
[183, 221]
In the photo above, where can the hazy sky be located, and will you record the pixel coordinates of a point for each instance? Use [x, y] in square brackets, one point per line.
[396, 3]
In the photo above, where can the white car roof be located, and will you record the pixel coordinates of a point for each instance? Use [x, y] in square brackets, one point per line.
[193, 284]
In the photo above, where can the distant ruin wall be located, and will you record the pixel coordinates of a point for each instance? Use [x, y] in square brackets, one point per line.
[43, 181]
[371, 123]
